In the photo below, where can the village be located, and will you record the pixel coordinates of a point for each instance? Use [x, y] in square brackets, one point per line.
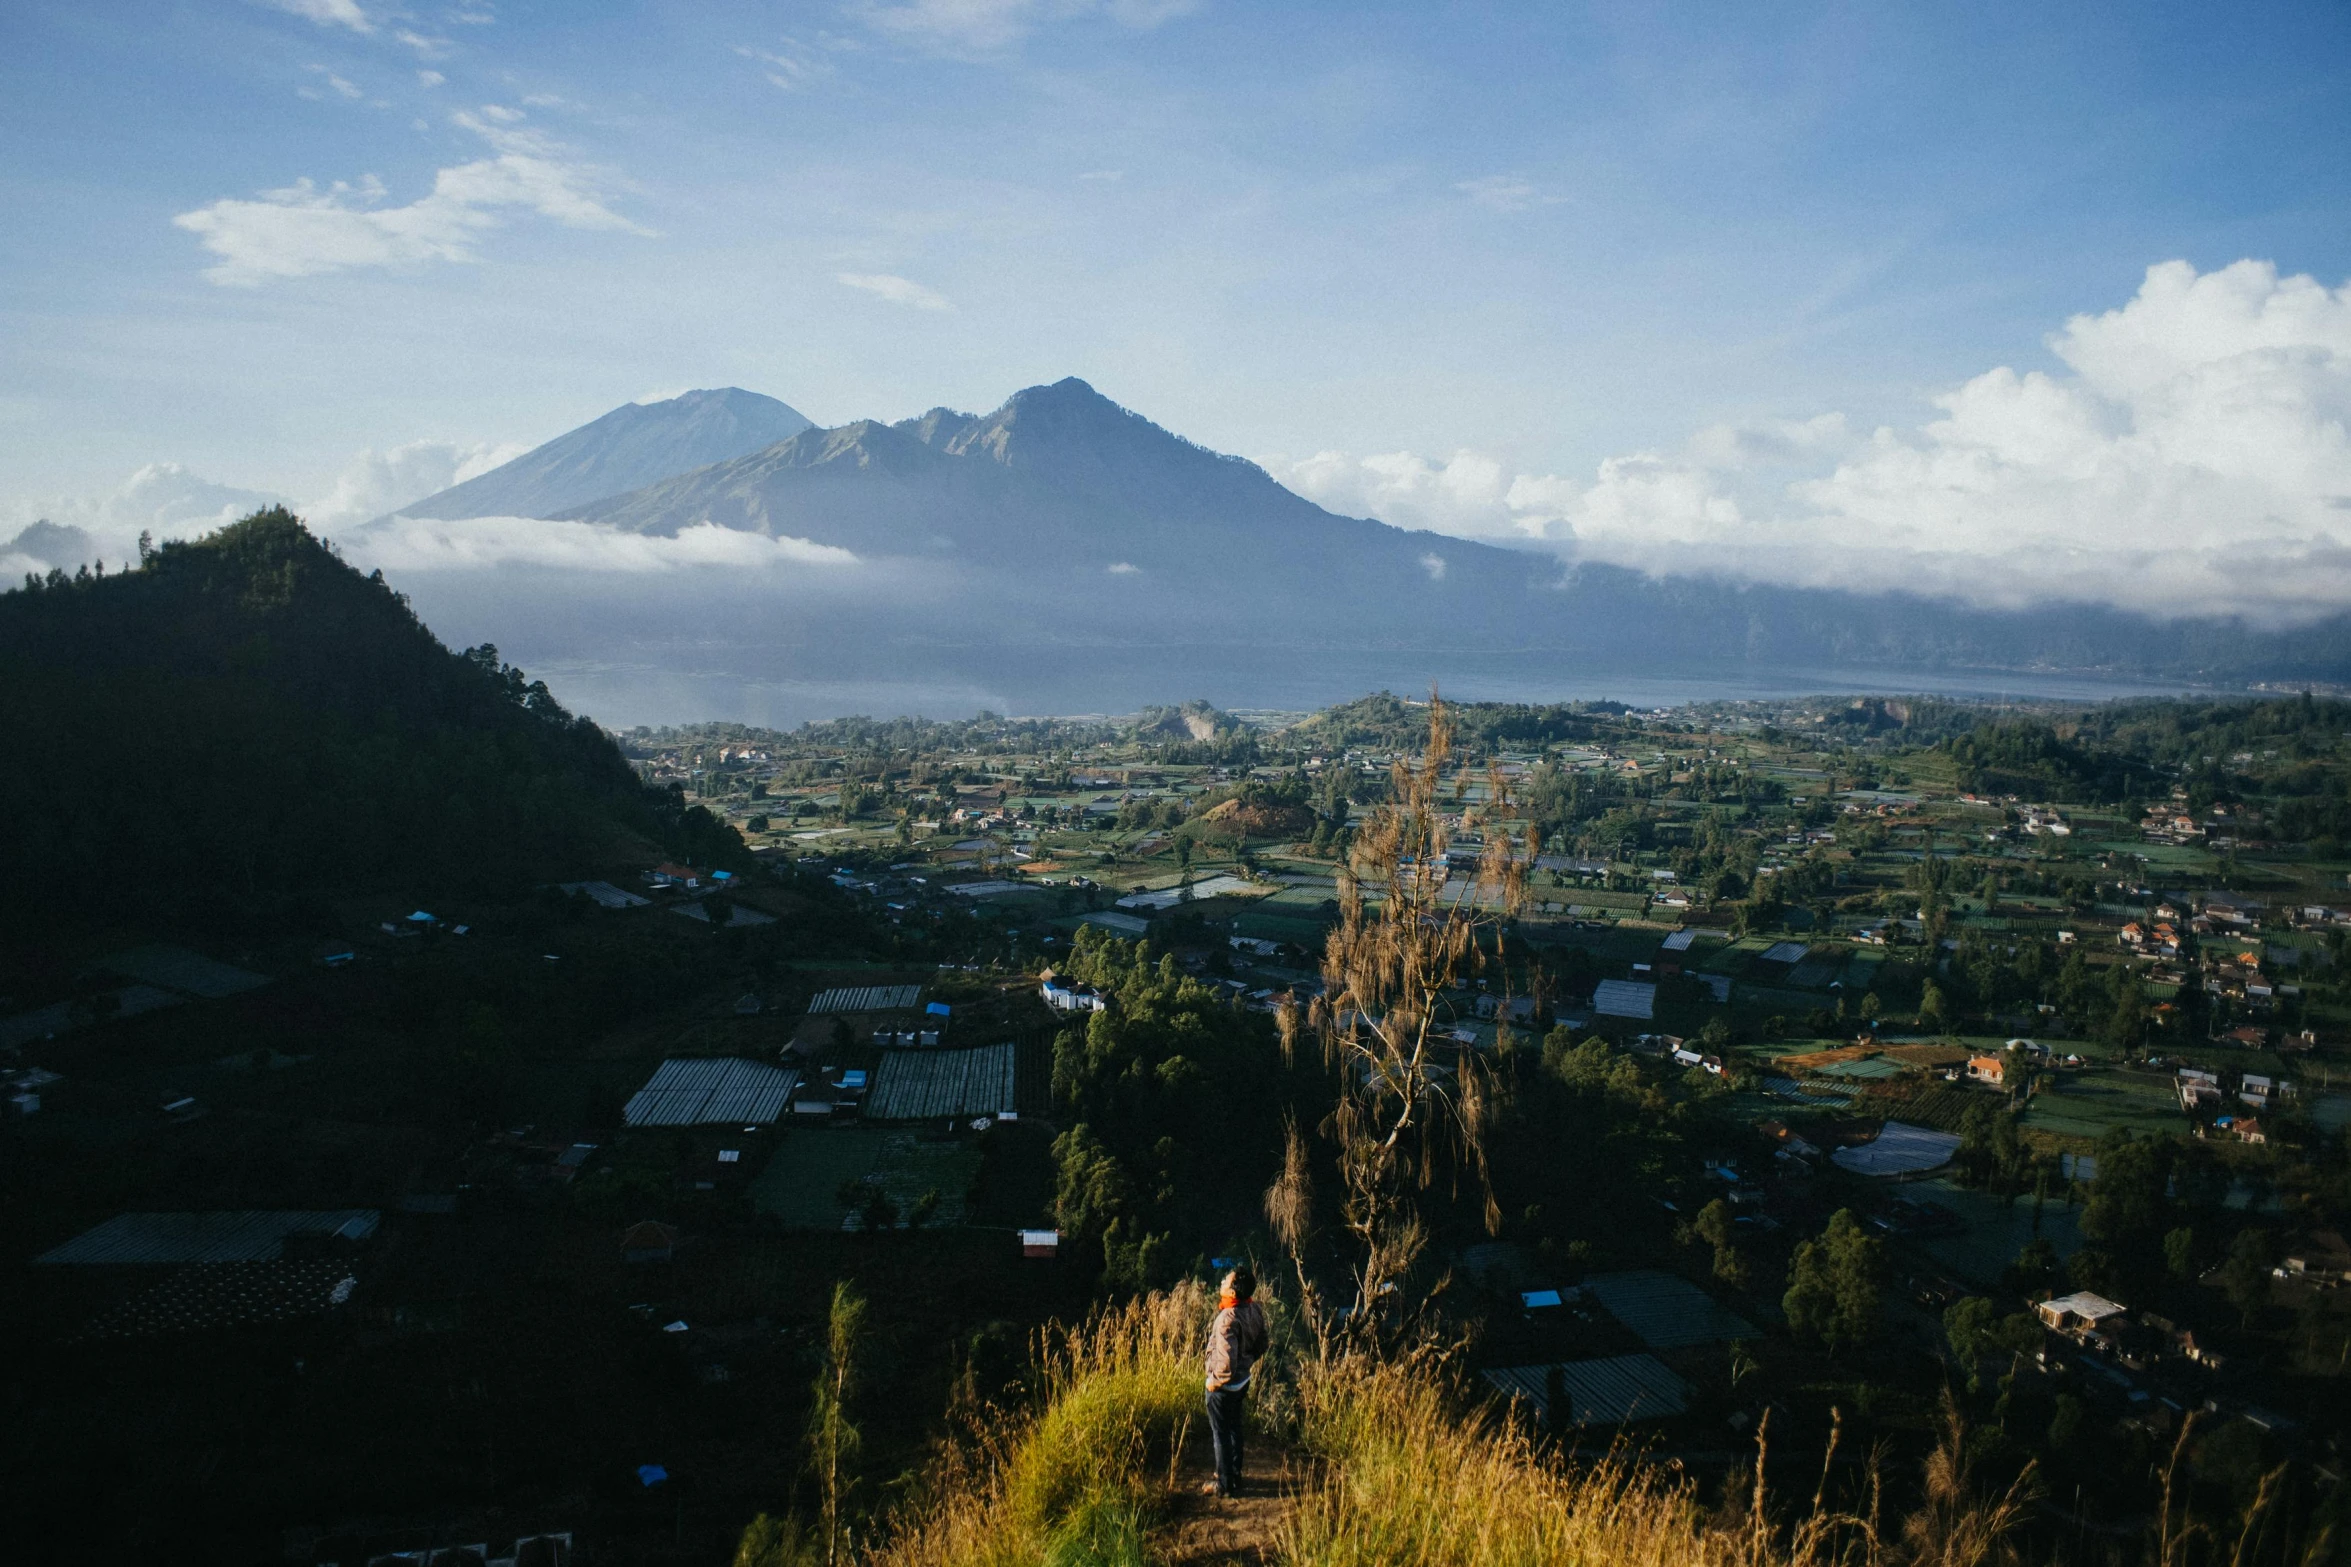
[2067, 1068]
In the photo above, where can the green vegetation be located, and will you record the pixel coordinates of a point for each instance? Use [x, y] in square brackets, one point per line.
[1349, 1027]
[244, 725]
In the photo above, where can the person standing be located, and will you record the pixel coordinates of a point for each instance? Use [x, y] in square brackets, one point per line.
[1236, 1341]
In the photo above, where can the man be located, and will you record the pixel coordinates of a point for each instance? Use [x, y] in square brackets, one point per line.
[1236, 1339]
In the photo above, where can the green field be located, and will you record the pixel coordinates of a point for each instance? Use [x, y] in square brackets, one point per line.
[2094, 1104]
[801, 1182]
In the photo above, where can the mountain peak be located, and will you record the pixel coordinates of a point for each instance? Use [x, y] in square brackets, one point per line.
[634, 445]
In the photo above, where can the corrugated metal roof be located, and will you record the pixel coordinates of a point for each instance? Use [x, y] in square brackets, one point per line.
[693, 1091]
[1899, 1149]
[1679, 941]
[1624, 998]
[1785, 952]
[176, 968]
[218, 1294]
[246, 1236]
[1666, 1311]
[915, 1085]
[1600, 1392]
[867, 998]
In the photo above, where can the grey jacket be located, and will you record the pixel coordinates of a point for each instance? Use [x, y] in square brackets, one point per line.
[1235, 1341]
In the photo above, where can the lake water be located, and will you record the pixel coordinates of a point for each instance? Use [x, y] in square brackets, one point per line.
[1079, 680]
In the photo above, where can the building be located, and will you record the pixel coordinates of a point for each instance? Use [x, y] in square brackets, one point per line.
[2078, 1313]
[1067, 995]
[648, 1241]
[1987, 1069]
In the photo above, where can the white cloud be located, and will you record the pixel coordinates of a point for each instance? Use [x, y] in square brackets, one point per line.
[428, 48]
[1468, 493]
[301, 230]
[381, 482]
[895, 289]
[326, 13]
[338, 83]
[1434, 564]
[793, 67]
[481, 543]
[162, 498]
[1124, 568]
[2192, 457]
[992, 26]
[429, 79]
[1505, 193]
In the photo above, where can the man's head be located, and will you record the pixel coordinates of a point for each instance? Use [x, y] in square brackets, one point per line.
[1241, 1284]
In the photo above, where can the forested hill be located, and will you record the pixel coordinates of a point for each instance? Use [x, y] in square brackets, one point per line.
[242, 726]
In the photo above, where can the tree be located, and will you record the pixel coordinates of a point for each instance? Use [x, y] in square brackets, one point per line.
[775, 1542]
[2245, 1276]
[1406, 1114]
[1976, 1331]
[833, 1440]
[1834, 1286]
[2179, 1253]
[2129, 1203]
[1714, 1225]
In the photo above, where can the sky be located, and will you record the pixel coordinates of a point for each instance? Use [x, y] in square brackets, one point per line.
[2003, 301]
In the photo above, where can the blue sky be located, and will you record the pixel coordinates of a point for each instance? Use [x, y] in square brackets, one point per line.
[1511, 245]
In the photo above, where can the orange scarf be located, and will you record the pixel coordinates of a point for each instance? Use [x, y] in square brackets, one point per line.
[1227, 1300]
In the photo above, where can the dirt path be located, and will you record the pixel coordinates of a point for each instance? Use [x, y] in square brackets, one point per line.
[1220, 1531]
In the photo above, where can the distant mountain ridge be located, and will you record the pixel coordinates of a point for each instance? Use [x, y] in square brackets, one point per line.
[1063, 522]
[1059, 470]
[634, 445]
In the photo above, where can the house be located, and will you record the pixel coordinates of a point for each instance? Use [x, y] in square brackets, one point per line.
[1518, 1009]
[2078, 1313]
[648, 1241]
[1987, 1069]
[2259, 1091]
[2197, 1088]
[1066, 995]
[2247, 1129]
[1043, 1245]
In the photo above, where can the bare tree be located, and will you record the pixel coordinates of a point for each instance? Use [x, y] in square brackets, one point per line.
[1413, 1107]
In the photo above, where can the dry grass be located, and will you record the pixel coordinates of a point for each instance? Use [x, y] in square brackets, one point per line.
[1403, 1473]
[1076, 1480]
[1410, 1481]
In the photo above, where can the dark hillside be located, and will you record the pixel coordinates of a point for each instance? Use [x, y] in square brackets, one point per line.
[245, 723]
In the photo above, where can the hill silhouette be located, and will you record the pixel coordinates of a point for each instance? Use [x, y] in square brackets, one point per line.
[245, 724]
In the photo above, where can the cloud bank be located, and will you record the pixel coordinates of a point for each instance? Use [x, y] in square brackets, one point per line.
[301, 230]
[167, 501]
[417, 544]
[2191, 458]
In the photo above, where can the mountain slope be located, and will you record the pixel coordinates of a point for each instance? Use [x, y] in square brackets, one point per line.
[246, 723]
[1062, 477]
[632, 446]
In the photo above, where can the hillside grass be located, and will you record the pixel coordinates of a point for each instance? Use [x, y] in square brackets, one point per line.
[1401, 1469]
[1077, 1480]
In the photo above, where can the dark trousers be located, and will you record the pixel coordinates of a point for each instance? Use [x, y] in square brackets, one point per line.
[1228, 1415]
